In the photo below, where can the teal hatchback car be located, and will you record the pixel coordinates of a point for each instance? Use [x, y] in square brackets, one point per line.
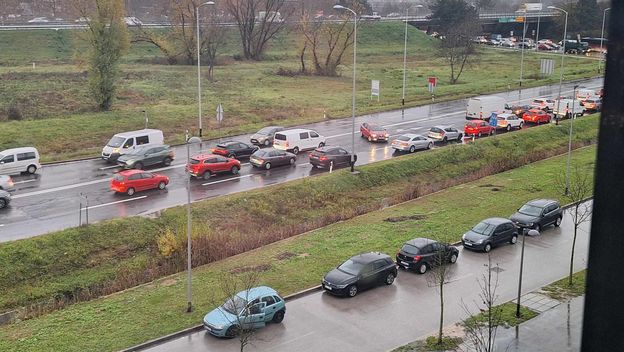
[249, 309]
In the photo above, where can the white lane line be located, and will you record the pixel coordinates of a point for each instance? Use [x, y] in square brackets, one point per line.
[25, 181]
[117, 202]
[62, 188]
[1, 225]
[229, 179]
[109, 167]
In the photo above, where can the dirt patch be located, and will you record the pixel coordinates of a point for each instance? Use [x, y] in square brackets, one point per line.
[246, 269]
[304, 255]
[490, 185]
[285, 255]
[168, 282]
[405, 218]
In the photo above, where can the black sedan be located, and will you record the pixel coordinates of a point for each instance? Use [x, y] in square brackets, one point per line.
[360, 272]
[268, 158]
[234, 150]
[537, 214]
[420, 254]
[324, 157]
[490, 233]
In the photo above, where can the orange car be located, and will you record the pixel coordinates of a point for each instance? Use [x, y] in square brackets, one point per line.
[536, 116]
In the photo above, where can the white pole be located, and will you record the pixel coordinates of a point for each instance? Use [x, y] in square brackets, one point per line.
[567, 178]
[563, 46]
[199, 102]
[523, 45]
[405, 55]
[604, 15]
[189, 292]
[353, 107]
[539, 16]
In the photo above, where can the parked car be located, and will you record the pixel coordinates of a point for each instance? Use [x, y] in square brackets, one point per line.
[6, 183]
[374, 133]
[519, 110]
[5, 199]
[206, 165]
[147, 156]
[323, 157]
[234, 149]
[593, 104]
[298, 139]
[493, 42]
[508, 122]
[412, 142]
[132, 181]
[420, 254]
[490, 233]
[545, 47]
[248, 309]
[478, 128]
[445, 134]
[265, 136]
[18, 160]
[545, 104]
[268, 158]
[537, 214]
[507, 43]
[536, 116]
[126, 142]
[360, 272]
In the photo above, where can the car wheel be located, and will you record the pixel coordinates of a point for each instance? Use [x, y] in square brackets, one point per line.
[32, 169]
[537, 227]
[389, 279]
[267, 166]
[412, 149]
[267, 143]
[520, 125]
[130, 191]
[232, 331]
[444, 140]
[513, 239]
[138, 166]
[558, 222]
[508, 128]
[296, 150]
[422, 268]
[234, 170]
[352, 291]
[487, 248]
[167, 161]
[3, 203]
[453, 258]
[370, 139]
[278, 316]
[207, 175]
[460, 137]
[491, 132]
[162, 185]
[232, 156]
[430, 145]
[321, 145]
[292, 161]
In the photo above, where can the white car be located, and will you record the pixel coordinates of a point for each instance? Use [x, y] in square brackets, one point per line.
[411, 142]
[508, 122]
[39, 20]
[545, 104]
[132, 21]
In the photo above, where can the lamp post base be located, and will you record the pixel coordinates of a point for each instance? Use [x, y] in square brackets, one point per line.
[189, 307]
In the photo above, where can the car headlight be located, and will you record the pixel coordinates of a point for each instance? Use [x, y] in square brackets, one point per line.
[115, 150]
[530, 224]
[479, 242]
[217, 327]
[342, 286]
[130, 162]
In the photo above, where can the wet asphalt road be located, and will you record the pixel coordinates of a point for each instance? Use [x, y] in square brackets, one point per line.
[51, 199]
[390, 316]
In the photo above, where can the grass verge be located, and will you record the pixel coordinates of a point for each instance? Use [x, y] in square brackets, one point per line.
[562, 290]
[431, 344]
[158, 308]
[79, 264]
[506, 316]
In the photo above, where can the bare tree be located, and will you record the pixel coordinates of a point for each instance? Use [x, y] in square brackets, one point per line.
[438, 276]
[457, 47]
[482, 332]
[258, 22]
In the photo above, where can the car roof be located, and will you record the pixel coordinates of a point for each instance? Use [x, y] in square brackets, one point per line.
[541, 202]
[296, 130]
[411, 135]
[204, 156]
[256, 292]
[420, 242]
[18, 150]
[369, 257]
[496, 221]
[535, 110]
[505, 115]
[226, 143]
[442, 127]
[132, 133]
[130, 172]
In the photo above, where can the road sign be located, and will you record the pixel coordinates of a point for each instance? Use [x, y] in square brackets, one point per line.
[375, 89]
[533, 6]
[520, 19]
[493, 120]
[506, 19]
[433, 81]
[547, 66]
[219, 113]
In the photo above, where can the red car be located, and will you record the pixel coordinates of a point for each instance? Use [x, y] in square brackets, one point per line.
[373, 133]
[478, 128]
[536, 116]
[131, 181]
[206, 165]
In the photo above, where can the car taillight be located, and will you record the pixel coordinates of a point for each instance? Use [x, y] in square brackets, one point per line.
[404, 144]
[287, 144]
[416, 258]
[323, 158]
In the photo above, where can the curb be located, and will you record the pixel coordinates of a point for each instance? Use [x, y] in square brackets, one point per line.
[197, 328]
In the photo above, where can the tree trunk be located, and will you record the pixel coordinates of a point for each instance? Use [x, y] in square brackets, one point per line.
[572, 256]
[441, 310]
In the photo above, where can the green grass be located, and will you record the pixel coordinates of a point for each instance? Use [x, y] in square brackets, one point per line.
[56, 104]
[505, 316]
[561, 290]
[431, 344]
[158, 308]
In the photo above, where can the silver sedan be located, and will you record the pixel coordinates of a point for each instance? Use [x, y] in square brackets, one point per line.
[412, 142]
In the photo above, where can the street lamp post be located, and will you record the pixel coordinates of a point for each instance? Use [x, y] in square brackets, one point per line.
[189, 284]
[523, 45]
[146, 120]
[563, 49]
[340, 7]
[405, 50]
[530, 233]
[567, 175]
[199, 116]
[604, 16]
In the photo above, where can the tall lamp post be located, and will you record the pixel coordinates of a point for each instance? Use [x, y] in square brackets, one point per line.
[189, 284]
[604, 16]
[199, 116]
[524, 25]
[563, 50]
[567, 175]
[532, 232]
[405, 50]
[340, 7]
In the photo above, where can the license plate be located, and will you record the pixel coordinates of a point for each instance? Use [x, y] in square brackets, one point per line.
[405, 263]
[467, 244]
[207, 327]
[327, 287]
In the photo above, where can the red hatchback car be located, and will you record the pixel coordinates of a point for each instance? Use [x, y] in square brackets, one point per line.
[536, 116]
[206, 165]
[478, 128]
[373, 133]
[131, 181]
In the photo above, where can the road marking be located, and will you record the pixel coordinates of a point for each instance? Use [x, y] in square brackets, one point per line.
[62, 188]
[1, 225]
[25, 181]
[226, 180]
[109, 167]
[117, 202]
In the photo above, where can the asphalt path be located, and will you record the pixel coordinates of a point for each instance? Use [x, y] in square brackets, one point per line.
[51, 199]
[390, 316]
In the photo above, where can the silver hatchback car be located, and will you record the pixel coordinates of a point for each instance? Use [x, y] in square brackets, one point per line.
[445, 134]
[412, 142]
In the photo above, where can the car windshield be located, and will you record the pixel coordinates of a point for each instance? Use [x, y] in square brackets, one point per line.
[266, 131]
[471, 124]
[351, 267]
[194, 161]
[436, 130]
[537, 101]
[376, 128]
[403, 138]
[409, 249]
[118, 177]
[234, 305]
[484, 228]
[529, 209]
[116, 142]
[139, 151]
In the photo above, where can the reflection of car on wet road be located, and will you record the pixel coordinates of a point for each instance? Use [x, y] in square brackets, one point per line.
[537, 214]
[360, 272]
[420, 254]
[323, 157]
[147, 156]
[374, 133]
[6, 183]
[478, 128]
[445, 134]
[268, 158]
[5, 199]
[490, 233]
[206, 165]
[233, 149]
[132, 181]
[249, 309]
[411, 143]
[265, 136]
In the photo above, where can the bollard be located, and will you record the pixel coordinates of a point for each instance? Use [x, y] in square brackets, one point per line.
[331, 166]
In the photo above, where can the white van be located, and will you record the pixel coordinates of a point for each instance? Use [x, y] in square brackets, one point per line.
[482, 107]
[123, 143]
[18, 160]
[565, 108]
[297, 140]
